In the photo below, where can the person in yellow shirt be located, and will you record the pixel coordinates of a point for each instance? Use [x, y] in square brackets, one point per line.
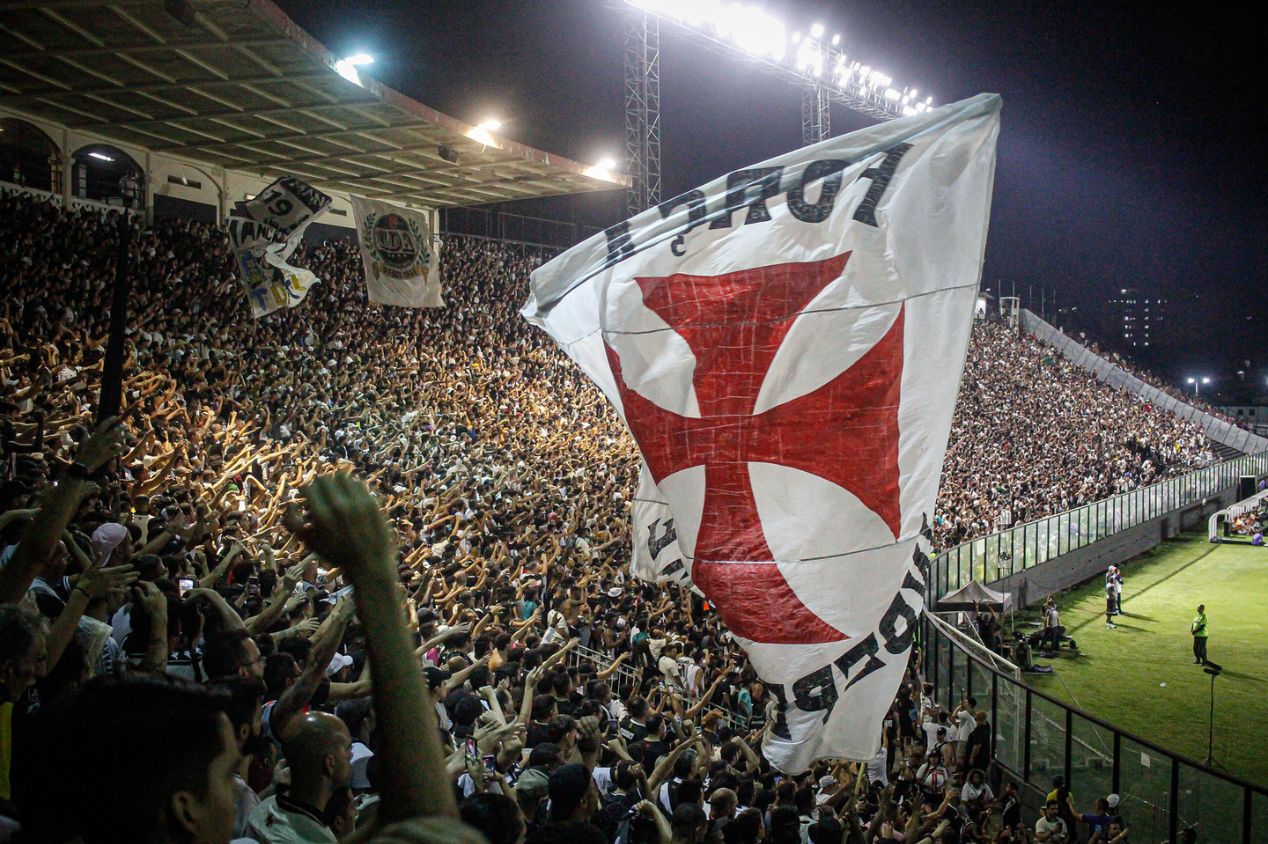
[1199, 630]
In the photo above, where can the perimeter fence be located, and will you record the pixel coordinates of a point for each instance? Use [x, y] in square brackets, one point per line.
[1038, 737]
[1003, 554]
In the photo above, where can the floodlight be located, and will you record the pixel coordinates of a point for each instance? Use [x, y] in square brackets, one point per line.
[1206, 380]
[806, 55]
[347, 68]
[100, 155]
[892, 94]
[602, 170]
[1189, 380]
[482, 133]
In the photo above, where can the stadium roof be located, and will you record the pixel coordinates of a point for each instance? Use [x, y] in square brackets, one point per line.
[237, 84]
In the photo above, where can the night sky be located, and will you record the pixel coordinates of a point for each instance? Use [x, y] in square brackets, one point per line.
[1131, 153]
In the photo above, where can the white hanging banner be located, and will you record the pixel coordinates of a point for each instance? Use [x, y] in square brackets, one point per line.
[264, 232]
[402, 262]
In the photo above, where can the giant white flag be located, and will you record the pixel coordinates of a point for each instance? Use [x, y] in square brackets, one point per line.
[402, 266]
[785, 344]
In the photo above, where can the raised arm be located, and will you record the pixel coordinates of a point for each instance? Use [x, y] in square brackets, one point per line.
[45, 529]
[347, 528]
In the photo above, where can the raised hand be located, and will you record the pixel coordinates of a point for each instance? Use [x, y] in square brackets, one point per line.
[98, 583]
[346, 527]
[105, 444]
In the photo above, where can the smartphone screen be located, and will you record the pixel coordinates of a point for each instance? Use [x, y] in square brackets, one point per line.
[185, 584]
[490, 763]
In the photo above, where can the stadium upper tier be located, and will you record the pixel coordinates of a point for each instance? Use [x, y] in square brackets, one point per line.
[239, 85]
[466, 407]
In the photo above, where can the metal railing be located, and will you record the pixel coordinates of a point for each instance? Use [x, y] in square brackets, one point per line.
[1038, 737]
[999, 555]
[625, 679]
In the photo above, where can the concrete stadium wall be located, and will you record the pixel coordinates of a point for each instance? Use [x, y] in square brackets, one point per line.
[1074, 567]
[179, 178]
[1218, 430]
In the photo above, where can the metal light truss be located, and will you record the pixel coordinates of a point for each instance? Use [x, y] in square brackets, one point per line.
[810, 61]
[642, 110]
[816, 115]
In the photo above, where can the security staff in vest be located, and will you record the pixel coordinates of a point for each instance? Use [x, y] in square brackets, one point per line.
[1198, 629]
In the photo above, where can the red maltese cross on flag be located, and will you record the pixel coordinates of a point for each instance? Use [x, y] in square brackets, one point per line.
[785, 345]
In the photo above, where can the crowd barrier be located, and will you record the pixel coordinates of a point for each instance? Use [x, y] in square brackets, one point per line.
[1001, 555]
[625, 678]
[1037, 737]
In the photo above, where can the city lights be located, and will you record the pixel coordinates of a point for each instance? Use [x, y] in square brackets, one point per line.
[812, 57]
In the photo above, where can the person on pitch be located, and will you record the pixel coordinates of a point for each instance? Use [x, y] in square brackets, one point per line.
[1198, 629]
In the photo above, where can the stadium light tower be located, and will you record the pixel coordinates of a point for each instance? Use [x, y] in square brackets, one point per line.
[1197, 384]
[814, 62]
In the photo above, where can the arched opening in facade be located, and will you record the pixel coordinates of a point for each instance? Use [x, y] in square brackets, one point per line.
[28, 156]
[107, 174]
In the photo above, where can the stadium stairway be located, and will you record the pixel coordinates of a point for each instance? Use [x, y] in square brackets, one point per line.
[1225, 452]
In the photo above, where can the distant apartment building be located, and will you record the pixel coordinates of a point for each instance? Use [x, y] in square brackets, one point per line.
[1138, 320]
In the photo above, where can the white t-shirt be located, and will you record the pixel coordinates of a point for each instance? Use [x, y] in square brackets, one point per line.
[669, 668]
[970, 793]
[965, 722]
[878, 769]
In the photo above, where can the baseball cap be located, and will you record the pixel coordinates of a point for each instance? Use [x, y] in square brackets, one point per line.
[337, 664]
[1112, 801]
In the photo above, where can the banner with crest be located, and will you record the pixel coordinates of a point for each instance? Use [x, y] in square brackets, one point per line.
[402, 261]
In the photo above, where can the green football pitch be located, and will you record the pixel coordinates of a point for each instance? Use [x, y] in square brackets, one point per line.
[1141, 677]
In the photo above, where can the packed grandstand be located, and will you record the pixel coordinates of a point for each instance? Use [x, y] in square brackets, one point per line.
[573, 701]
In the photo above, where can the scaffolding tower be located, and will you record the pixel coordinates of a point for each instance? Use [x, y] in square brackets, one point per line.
[642, 110]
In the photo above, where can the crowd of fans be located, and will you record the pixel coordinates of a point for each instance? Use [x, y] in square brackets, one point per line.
[214, 534]
[1034, 435]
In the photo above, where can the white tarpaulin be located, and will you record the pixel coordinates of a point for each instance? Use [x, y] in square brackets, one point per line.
[264, 232]
[402, 265]
[785, 345]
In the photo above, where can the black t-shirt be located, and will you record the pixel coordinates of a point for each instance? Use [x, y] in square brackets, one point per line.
[652, 751]
[613, 812]
[632, 731]
[1011, 814]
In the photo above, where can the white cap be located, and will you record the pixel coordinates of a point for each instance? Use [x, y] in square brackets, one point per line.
[338, 663]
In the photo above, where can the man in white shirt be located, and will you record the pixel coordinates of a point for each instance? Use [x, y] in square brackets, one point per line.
[1050, 828]
[668, 665]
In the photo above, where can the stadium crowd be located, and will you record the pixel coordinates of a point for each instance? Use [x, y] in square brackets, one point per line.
[214, 534]
[1096, 441]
